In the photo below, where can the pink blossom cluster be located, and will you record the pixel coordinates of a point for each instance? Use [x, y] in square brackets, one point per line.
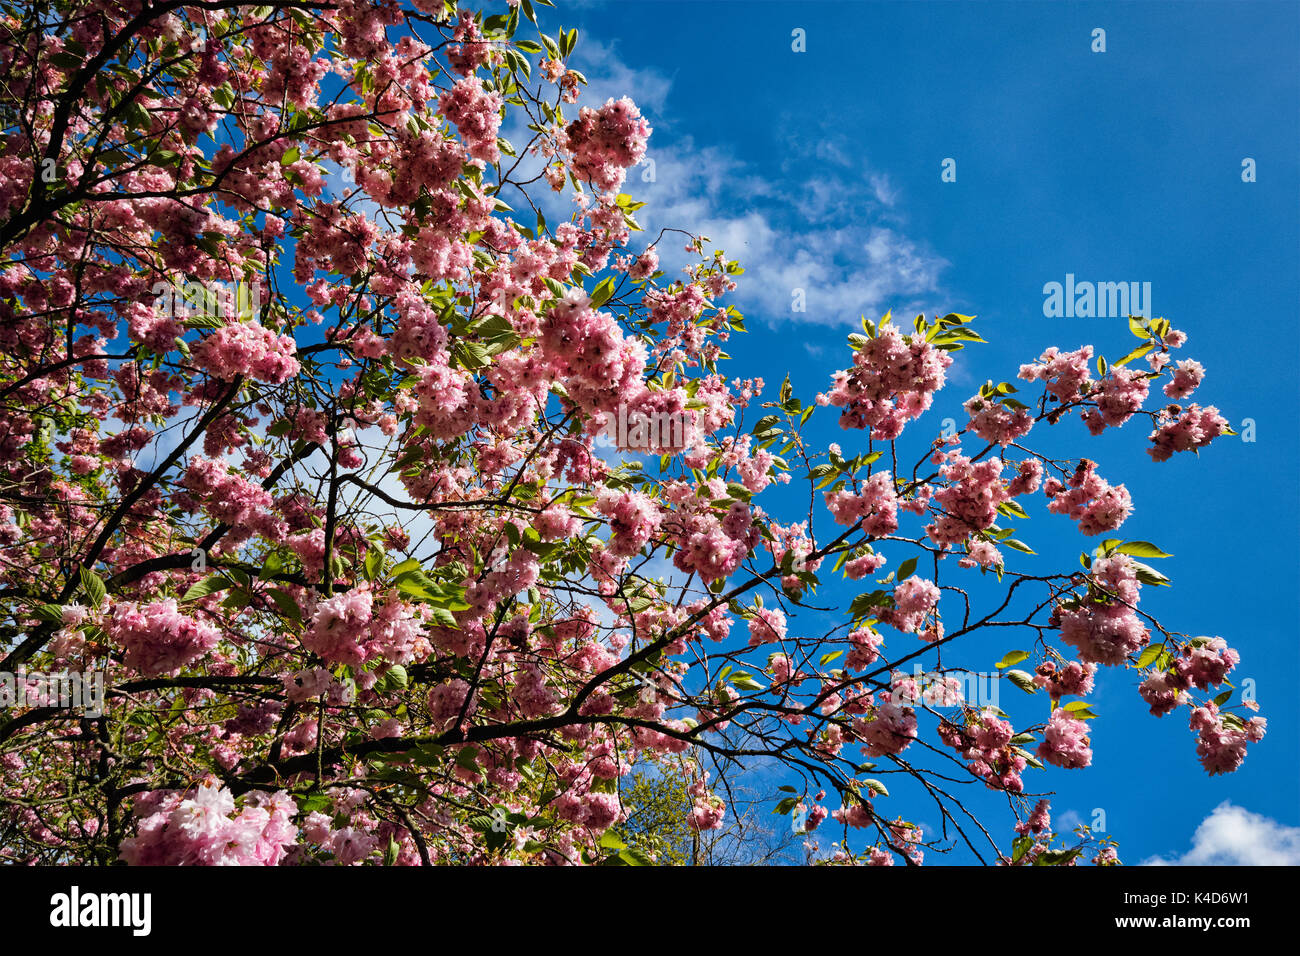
[1164, 692]
[995, 422]
[1203, 663]
[1065, 741]
[857, 568]
[865, 648]
[470, 51]
[1206, 663]
[1179, 430]
[766, 626]
[856, 812]
[158, 638]
[447, 701]
[233, 500]
[1187, 376]
[982, 554]
[598, 365]
[202, 828]
[476, 114]
[876, 506]
[1039, 820]
[1065, 374]
[914, 599]
[970, 499]
[248, 349]
[633, 516]
[1074, 679]
[1221, 746]
[1090, 499]
[888, 729]
[352, 627]
[985, 741]
[1029, 476]
[708, 809]
[593, 809]
[893, 380]
[1103, 625]
[604, 143]
[1118, 396]
[711, 547]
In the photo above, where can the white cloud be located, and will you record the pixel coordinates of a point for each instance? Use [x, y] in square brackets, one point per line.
[831, 228]
[609, 78]
[1233, 836]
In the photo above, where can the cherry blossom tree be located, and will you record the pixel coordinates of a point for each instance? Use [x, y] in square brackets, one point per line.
[304, 410]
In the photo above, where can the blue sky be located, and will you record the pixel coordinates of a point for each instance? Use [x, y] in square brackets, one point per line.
[821, 170]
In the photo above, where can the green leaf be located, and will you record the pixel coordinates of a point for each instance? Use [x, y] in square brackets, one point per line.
[272, 566]
[94, 587]
[286, 603]
[1023, 681]
[1149, 655]
[1011, 659]
[635, 857]
[445, 618]
[50, 613]
[1142, 549]
[876, 787]
[374, 562]
[406, 567]
[1149, 575]
[906, 569]
[745, 682]
[1017, 545]
[1080, 709]
[1138, 352]
[602, 293]
[209, 585]
[786, 805]
[1030, 758]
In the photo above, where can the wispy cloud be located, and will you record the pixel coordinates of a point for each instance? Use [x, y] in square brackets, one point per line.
[836, 244]
[1234, 836]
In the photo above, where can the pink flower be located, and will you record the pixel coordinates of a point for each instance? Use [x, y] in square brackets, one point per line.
[1188, 374]
[1090, 500]
[203, 829]
[914, 599]
[876, 507]
[1065, 374]
[893, 380]
[476, 114]
[1195, 428]
[248, 349]
[766, 626]
[995, 422]
[158, 638]
[1120, 395]
[1103, 625]
[1065, 741]
[606, 142]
